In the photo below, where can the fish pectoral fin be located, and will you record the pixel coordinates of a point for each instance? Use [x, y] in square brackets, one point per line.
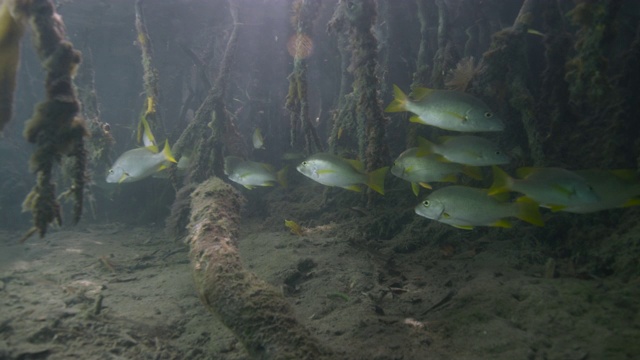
[354, 187]
[564, 190]
[123, 177]
[325, 171]
[456, 115]
[446, 215]
[415, 188]
[250, 187]
[523, 172]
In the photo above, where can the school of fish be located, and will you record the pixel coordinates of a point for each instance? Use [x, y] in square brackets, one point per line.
[464, 207]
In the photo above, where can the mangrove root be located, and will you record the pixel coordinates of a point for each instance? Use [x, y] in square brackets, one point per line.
[256, 312]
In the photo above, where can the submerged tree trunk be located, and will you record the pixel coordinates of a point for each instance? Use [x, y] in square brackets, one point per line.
[256, 312]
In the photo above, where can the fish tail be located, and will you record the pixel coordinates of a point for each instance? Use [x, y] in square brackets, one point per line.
[473, 172]
[376, 179]
[11, 31]
[281, 176]
[501, 181]
[166, 152]
[528, 210]
[425, 147]
[399, 102]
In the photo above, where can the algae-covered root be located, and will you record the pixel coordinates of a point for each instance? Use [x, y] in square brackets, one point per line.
[11, 30]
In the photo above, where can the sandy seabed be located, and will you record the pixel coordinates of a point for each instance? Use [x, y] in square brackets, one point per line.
[116, 292]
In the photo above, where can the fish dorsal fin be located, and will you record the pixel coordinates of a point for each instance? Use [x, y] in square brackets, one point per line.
[456, 115]
[523, 172]
[268, 167]
[421, 93]
[356, 164]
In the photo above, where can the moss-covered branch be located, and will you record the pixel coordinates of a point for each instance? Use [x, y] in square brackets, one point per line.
[297, 102]
[55, 127]
[256, 312]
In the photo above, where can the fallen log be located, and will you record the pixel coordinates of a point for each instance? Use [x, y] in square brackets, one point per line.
[257, 313]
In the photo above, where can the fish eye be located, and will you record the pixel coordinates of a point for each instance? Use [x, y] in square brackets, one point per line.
[426, 203]
[304, 163]
[488, 114]
[110, 171]
[498, 152]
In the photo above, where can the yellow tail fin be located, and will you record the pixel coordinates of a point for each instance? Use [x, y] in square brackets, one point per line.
[376, 180]
[501, 181]
[281, 176]
[399, 102]
[167, 152]
[528, 210]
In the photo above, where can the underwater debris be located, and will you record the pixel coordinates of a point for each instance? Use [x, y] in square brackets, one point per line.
[294, 227]
[460, 78]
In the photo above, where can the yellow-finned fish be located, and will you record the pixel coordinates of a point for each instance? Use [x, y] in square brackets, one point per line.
[553, 188]
[145, 136]
[331, 170]
[446, 109]
[251, 174]
[258, 140]
[465, 207]
[466, 149]
[137, 164]
[423, 169]
[615, 188]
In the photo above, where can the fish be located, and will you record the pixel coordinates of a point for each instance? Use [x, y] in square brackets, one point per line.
[467, 150]
[446, 109]
[615, 188]
[140, 163]
[421, 170]
[258, 140]
[332, 170]
[294, 227]
[552, 187]
[251, 174]
[465, 207]
[144, 135]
